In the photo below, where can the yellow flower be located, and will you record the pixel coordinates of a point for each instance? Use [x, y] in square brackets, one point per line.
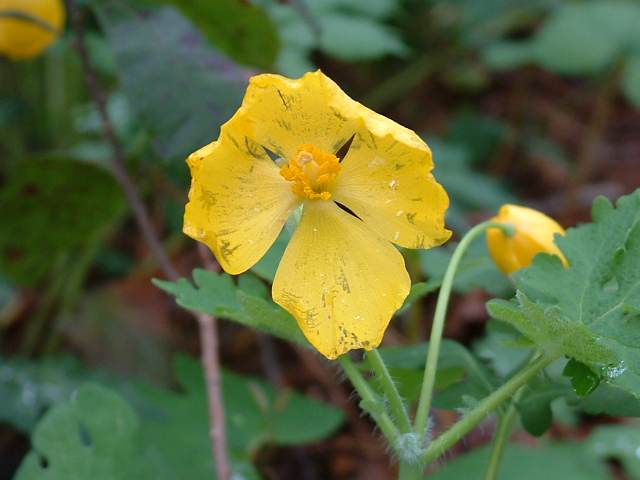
[340, 276]
[534, 232]
[28, 27]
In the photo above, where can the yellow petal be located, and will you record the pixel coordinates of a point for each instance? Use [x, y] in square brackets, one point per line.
[340, 280]
[22, 38]
[238, 202]
[386, 181]
[282, 114]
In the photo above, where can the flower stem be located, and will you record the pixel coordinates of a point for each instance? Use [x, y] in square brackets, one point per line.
[424, 402]
[213, 377]
[390, 390]
[483, 409]
[370, 400]
[501, 437]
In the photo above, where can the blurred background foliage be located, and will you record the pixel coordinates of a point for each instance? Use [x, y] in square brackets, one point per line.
[534, 102]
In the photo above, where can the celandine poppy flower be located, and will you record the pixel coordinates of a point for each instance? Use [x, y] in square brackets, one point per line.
[340, 276]
[534, 232]
[28, 27]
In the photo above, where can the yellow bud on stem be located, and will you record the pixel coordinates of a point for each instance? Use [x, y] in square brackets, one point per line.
[533, 233]
[29, 27]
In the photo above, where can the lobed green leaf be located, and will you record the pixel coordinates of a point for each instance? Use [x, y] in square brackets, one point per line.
[95, 435]
[589, 311]
[180, 87]
[245, 303]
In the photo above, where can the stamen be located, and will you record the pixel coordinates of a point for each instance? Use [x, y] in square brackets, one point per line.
[312, 171]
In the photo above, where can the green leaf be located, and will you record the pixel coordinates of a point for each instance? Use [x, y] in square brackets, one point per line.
[460, 396]
[246, 303]
[552, 331]
[535, 404]
[51, 205]
[619, 442]
[351, 38]
[30, 387]
[597, 299]
[611, 401]
[349, 30]
[507, 55]
[96, 436]
[476, 270]
[372, 8]
[179, 86]
[419, 290]
[266, 316]
[256, 412]
[583, 379]
[573, 40]
[455, 362]
[242, 30]
[631, 80]
[578, 38]
[268, 265]
[501, 348]
[553, 461]
[468, 189]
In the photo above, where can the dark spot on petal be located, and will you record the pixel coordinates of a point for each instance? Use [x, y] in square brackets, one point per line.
[344, 149]
[284, 101]
[272, 155]
[348, 210]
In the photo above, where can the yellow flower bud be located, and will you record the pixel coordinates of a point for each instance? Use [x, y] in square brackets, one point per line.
[28, 27]
[534, 232]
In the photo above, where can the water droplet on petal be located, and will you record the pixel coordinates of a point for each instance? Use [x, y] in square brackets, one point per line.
[399, 213]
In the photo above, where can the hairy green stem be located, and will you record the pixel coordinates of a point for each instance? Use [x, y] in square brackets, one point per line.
[501, 437]
[445, 441]
[370, 400]
[393, 397]
[426, 392]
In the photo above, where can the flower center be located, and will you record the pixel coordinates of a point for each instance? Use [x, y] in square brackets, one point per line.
[312, 171]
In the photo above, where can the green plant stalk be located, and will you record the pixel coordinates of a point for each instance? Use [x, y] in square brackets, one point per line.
[501, 437]
[414, 328]
[596, 128]
[426, 392]
[393, 397]
[370, 401]
[74, 279]
[38, 321]
[387, 92]
[483, 409]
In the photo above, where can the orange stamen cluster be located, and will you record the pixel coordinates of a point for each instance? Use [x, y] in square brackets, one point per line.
[312, 171]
